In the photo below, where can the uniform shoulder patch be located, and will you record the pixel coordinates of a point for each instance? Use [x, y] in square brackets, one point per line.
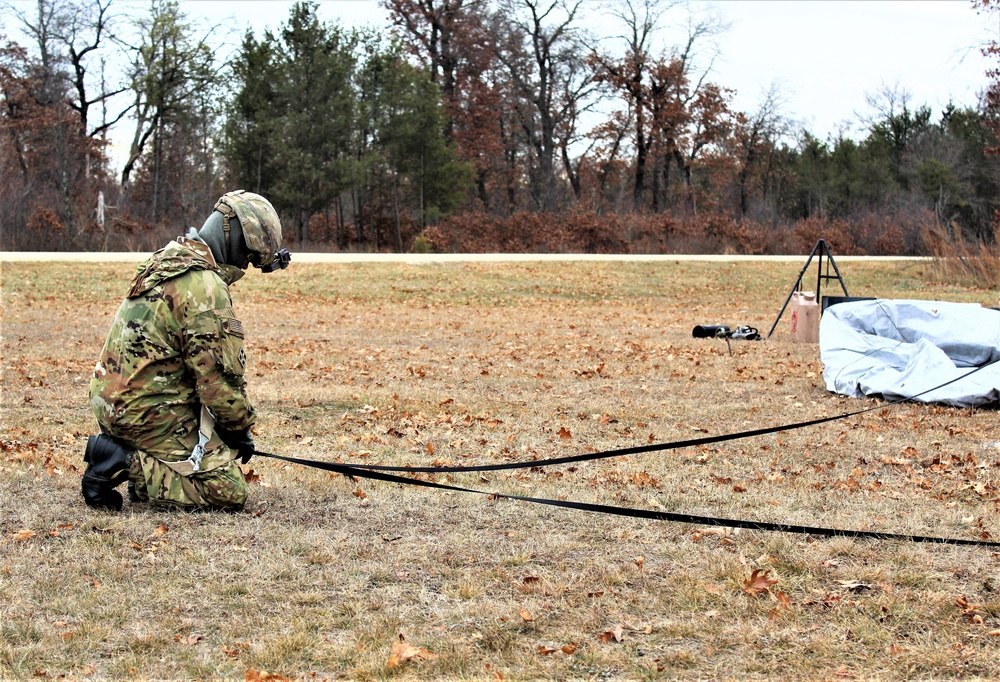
[233, 326]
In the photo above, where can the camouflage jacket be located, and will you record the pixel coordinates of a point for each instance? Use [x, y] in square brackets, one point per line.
[175, 344]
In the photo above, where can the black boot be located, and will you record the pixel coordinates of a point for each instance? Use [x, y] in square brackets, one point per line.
[108, 461]
[135, 494]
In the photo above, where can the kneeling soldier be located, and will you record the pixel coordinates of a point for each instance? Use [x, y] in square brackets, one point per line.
[168, 390]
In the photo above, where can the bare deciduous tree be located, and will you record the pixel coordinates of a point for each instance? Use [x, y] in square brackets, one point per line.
[541, 46]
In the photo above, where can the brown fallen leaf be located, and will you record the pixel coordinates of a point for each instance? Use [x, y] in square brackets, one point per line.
[565, 433]
[252, 675]
[571, 648]
[639, 561]
[360, 494]
[546, 650]
[403, 652]
[963, 603]
[160, 531]
[968, 609]
[251, 477]
[526, 616]
[758, 582]
[722, 532]
[613, 635]
[22, 535]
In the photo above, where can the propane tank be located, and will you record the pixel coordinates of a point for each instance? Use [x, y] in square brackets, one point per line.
[805, 317]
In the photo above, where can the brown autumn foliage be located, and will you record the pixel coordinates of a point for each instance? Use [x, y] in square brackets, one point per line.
[644, 233]
[674, 168]
[962, 262]
[452, 40]
[48, 168]
[531, 233]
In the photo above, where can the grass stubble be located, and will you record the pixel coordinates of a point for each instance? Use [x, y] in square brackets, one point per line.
[480, 363]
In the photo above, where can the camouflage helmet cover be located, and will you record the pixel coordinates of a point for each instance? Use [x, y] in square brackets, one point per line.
[261, 226]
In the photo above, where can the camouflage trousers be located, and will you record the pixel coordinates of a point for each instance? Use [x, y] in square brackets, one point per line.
[218, 484]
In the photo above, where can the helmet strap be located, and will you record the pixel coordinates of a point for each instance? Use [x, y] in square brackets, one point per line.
[227, 212]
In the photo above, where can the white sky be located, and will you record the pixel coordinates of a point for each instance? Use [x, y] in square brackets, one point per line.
[823, 55]
[826, 55]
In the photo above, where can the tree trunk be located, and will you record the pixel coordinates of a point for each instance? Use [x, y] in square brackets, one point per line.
[640, 165]
[571, 173]
[395, 211]
[484, 197]
[341, 228]
[655, 185]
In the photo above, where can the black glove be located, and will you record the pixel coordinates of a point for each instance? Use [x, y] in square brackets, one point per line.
[241, 441]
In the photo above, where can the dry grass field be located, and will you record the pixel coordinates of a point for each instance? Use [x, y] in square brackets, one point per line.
[321, 576]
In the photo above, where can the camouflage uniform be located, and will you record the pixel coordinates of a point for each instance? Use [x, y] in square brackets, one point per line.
[175, 345]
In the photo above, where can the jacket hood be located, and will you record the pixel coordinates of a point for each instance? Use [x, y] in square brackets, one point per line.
[175, 259]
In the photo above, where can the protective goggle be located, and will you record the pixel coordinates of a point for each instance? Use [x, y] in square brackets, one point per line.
[280, 262]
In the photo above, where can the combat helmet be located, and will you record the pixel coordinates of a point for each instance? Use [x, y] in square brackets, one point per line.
[261, 226]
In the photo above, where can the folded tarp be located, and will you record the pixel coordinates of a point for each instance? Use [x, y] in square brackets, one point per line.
[900, 349]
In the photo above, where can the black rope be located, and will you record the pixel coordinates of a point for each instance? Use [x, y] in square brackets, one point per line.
[348, 470]
[378, 472]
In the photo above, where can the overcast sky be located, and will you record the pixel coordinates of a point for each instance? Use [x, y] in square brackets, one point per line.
[824, 56]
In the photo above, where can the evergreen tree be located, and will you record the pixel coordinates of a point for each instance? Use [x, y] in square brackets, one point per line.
[251, 130]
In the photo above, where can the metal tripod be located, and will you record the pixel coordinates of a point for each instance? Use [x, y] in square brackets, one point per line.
[818, 251]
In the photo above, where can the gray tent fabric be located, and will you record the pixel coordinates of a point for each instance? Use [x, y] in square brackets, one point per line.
[900, 349]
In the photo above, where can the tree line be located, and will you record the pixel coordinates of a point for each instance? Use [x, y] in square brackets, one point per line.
[469, 124]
